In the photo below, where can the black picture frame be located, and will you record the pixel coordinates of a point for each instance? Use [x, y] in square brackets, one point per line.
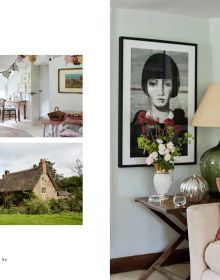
[133, 53]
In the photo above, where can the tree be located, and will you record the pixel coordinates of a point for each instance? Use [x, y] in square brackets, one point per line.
[78, 168]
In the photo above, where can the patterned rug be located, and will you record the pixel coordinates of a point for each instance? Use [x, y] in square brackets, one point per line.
[6, 131]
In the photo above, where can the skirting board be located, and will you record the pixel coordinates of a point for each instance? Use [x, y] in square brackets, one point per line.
[144, 261]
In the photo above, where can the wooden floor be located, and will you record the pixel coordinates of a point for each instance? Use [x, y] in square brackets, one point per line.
[182, 270]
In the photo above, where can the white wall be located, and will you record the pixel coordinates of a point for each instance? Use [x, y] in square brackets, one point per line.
[44, 87]
[3, 86]
[63, 101]
[133, 229]
[15, 78]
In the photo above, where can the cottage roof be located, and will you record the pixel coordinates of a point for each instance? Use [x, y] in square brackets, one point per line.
[63, 193]
[24, 180]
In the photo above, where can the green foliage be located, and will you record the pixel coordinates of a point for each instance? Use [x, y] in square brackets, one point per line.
[71, 183]
[12, 210]
[160, 148]
[45, 219]
[15, 198]
[75, 204]
[74, 185]
[36, 206]
[58, 206]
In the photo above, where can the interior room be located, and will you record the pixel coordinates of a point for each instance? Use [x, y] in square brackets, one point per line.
[140, 233]
[41, 95]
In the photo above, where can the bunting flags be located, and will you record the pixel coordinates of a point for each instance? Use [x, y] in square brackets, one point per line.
[74, 59]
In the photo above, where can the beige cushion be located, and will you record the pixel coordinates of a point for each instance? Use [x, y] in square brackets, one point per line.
[212, 256]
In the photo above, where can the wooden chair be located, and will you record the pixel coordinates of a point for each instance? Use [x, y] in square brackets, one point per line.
[7, 111]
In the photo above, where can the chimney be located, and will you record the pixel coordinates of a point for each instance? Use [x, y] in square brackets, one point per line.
[43, 165]
[6, 172]
[3, 176]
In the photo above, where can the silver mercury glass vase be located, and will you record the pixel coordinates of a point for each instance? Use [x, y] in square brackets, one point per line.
[195, 188]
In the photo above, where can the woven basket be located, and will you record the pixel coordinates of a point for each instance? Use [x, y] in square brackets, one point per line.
[56, 115]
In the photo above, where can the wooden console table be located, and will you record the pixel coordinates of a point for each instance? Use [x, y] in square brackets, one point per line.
[162, 209]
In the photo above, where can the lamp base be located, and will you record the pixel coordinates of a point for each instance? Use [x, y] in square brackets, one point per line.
[210, 169]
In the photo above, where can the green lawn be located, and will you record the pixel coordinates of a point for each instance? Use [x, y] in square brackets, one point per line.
[46, 219]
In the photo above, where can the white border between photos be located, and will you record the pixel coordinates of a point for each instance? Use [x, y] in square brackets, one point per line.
[67, 252]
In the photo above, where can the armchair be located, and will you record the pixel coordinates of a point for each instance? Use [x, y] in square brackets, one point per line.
[203, 224]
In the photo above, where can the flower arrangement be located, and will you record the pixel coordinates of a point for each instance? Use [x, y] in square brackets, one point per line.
[161, 142]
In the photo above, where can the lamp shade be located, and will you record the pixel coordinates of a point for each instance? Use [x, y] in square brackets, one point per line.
[208, 112]
[208, 115]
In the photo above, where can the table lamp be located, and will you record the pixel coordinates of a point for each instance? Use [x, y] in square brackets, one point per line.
[208, 115]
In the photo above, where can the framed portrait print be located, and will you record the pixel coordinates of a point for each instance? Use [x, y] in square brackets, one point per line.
[157, 80]
[70, 80]
[21, 87]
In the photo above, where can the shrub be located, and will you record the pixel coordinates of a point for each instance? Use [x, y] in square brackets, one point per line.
[36, 206]
[12, 210]
[75, 204]
[58, 206]
[15, 199]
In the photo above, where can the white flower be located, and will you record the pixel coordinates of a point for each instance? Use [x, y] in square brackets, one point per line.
[159, 141]
[167, 151]
[154, 155]
[167, 157]
[149, 160]
[162, 149]
[173, 150]
[170, 145]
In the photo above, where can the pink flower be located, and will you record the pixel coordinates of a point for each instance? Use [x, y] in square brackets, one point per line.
[149, 160]
[154, 155]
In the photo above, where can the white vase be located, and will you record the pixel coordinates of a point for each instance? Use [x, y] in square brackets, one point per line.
[162, 183]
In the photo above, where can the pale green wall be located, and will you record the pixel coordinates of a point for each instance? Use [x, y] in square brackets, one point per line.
[134, 230]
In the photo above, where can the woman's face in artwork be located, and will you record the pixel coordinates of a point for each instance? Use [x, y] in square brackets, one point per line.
[159, 91]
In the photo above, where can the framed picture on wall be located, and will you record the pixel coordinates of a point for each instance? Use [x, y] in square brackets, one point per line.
[157, 83]
[70, 80]
[21, 87]
[25, 96]
[17, 96]
[28, 88]
[25, 78]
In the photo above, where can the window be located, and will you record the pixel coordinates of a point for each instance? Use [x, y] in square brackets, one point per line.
[43, 190]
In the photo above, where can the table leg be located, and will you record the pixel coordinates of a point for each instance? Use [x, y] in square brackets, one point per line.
[25, 111]
[164, 256]
[44, 130]
[52, 127]
[56, 129]
[19, 118]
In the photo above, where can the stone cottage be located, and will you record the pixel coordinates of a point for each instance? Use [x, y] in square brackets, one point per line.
[37, 180]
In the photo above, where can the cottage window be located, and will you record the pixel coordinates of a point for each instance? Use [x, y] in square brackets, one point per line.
[43, 190]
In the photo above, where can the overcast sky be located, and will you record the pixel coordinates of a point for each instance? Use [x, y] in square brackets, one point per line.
[20, 156]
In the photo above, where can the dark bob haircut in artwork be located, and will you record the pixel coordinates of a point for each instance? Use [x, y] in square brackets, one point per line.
[161, 66]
